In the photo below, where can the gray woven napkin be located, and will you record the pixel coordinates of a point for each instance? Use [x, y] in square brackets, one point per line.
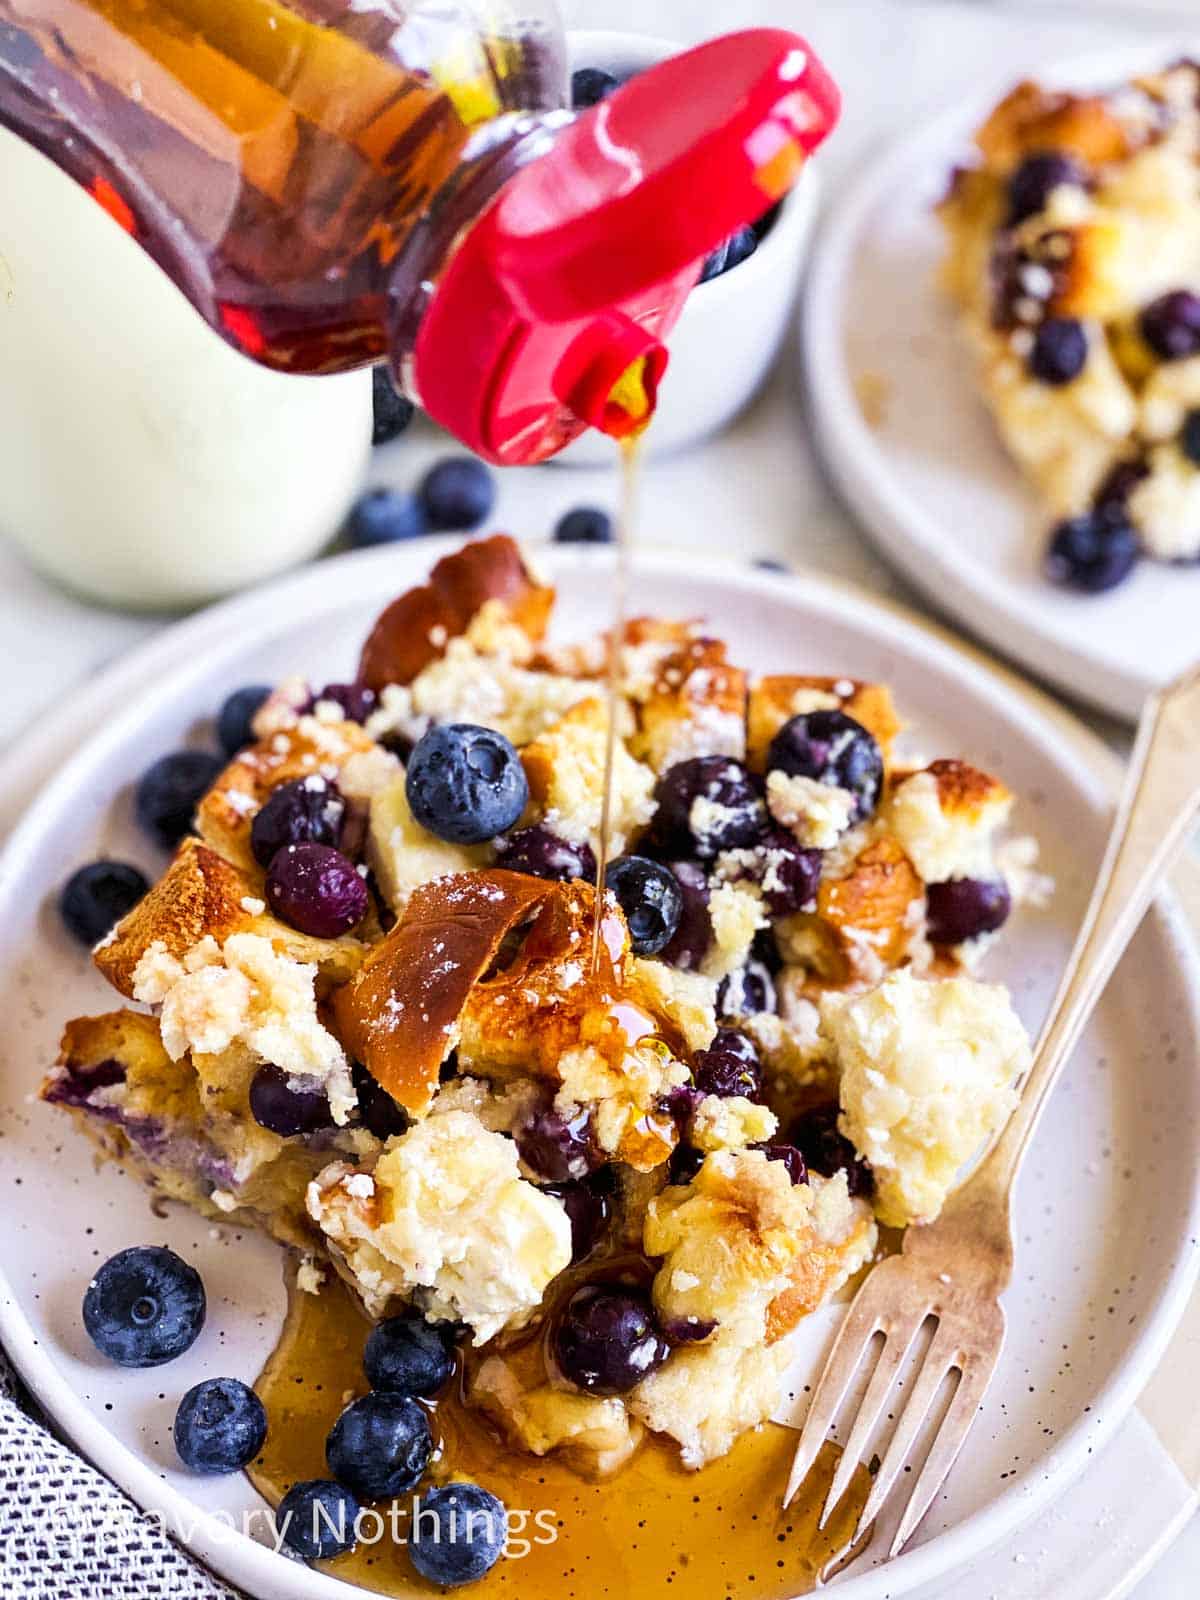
[66, 1533]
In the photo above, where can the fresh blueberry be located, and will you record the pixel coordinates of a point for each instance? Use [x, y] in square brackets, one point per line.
[458, 1534]
[590, 85]
[771, 564]
[457, 493]
[1092, 552]
[747, 992]
[392, 412]
[690, 942]
[1119, 483]
[75, 1085]
[768, 220]
[408, 1356]
[306, 811]
[777, 1150]
[607, 1340]
[963, 908]
[651, 899]
[220, 1426]
[382, 516]
[740, 247]
[1171, 325]
[354, 700]
[318, 1519]
[724, 1070]
[278, 1105]
[95, 898]
[316, 889]
[714, 262]
[1060, 351]
[379, 1446]
[543, 854]
[558, 1148]
[684, 1164]
[380, 1114]
[236, 715]
[827, 1151]
[832, 748]
[466, 784]
[708, 804]
[144, 1306]
[168, 793]
[733, 1042]
[584, 525]
[787, 873]
[1035, 180]
[588, 1204]
[1189, 439]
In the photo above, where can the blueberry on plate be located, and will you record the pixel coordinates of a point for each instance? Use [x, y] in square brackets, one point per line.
[392, 412]
[714, 262]
[708, 804]
[305, 811]
[220, 1426]
[318, 1519]
[729, 254]
[607, 1340]
[963, 908]
[730, 1066]
[1171, 325]
[355, 701]
[316, 889]
[1060, 351]
[650, 897]
[169, 791]
[543, 854]
[237, 712]
[379, 1446]
[779, 1150]
[588, 1204]
[584, 525]
[282, 1104]
[788, 873]
[408, 1356]
[747, 992]
[144, 1306]
[379, 1113]
[832, 748]
[690, 942]
[383, 516]
[827, 1151]
[465, 784]
[95, 898]
[1036, 179]
[458, 1534]
[590, 85]
[457, 493]
[1092, 552]
[557, 1148]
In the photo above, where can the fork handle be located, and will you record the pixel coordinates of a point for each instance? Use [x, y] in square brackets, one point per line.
[1160, 799]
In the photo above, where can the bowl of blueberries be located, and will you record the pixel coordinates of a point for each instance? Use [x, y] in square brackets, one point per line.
[736, 317]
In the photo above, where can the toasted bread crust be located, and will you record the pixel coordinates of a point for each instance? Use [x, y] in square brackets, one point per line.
[414, 629]
[1031, 118]
[774, 700]
[697, 706]
[963, 790]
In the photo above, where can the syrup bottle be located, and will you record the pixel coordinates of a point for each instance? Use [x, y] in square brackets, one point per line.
[330, 184]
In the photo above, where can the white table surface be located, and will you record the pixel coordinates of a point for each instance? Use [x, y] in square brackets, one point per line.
[759, 485]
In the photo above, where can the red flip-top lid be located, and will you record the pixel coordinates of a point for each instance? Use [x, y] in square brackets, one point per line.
[582, 264]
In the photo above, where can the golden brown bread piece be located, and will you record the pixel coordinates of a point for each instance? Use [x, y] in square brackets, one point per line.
[963, 790]
[862, 920]
[777, 699]
[696, 706]
[415, 629]
[1031, 118]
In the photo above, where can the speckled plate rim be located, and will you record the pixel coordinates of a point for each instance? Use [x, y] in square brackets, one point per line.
[179, 656]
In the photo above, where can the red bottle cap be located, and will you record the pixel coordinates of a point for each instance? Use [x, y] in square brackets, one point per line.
[581, 266]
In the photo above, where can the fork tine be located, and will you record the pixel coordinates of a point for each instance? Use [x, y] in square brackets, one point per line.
[837, 1374]
[898, 1341]
[939, 1360]
[956, 1424]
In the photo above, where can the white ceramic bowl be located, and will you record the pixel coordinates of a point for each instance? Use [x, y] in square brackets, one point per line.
[726, 341]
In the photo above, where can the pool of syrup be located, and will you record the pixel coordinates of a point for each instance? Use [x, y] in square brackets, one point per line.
[652, 1530]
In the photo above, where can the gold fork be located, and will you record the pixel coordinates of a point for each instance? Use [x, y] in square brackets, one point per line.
[950, 1273]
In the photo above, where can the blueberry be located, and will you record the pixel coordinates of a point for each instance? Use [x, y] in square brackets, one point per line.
[1060, 351]
[590, 85]
[778, 1150]
[1171, 325]
[286, 1110]
[740, 247]
[305, 811]
[650, 897]
[408, 1356]
[607, 1340]
[458, 1534]
[1119, 483]
[382, 516]
[708, 804]
[144, 1306]
[1032, 184]
[316, 889]
[584, 525]
[1189, 439]
[963, 908]
[236, 715]
[690, 942]
[457, 493]
[832, 748]
[543, 854]
[787, 873]
[1092, 552]
[392, 412]
[732, 1041]
[466, 784]
[168, 793]
[747, 992]
[558, 1148]
[95, 898]
[588, 1204]
[827, 1151]
[318, 1519]
[354, 700]
[714, 262]
[768, 220]
[380, 1114]
[684, 1164]
[771, 564]
[724, 1070]
[379, 1446]
[220, 1426]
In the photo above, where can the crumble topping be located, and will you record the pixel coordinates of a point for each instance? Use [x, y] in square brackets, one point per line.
[816, 813]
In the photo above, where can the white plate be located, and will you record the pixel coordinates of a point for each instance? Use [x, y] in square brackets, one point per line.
[933, 483]
[1107, 1210]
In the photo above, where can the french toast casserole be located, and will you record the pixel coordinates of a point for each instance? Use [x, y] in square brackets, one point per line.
[773, 1043]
